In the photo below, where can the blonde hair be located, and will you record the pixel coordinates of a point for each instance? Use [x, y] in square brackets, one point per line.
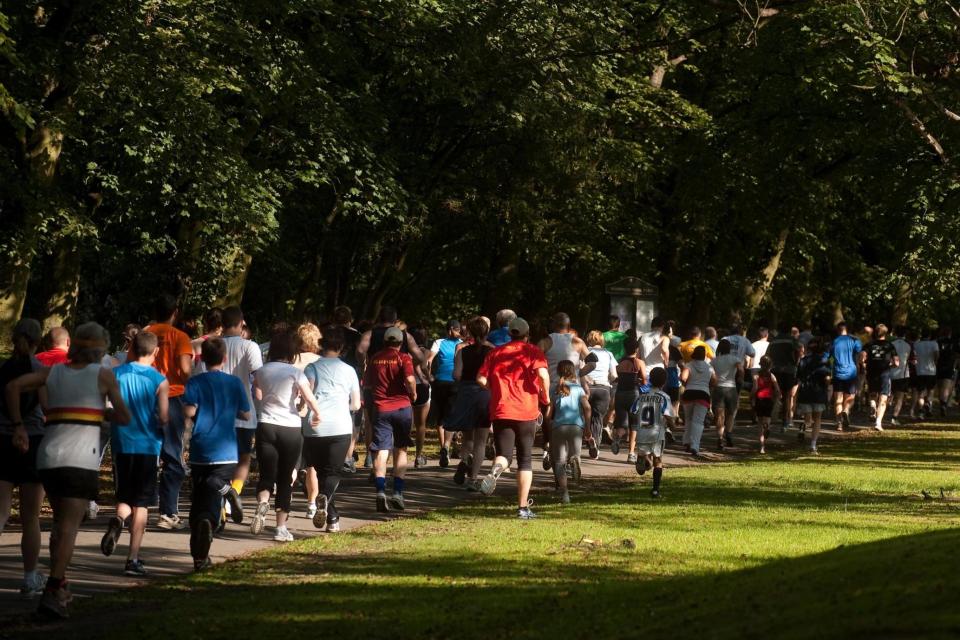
[594, 339]
[308, 338]
[566, 372]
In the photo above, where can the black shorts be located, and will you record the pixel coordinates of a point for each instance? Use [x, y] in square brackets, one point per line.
[786, 379]
[245, 440]
[673, 394]
[135, 479]
[901, 385]
[19, 468]
[423, 394]
[764, 407]
[848, 387]
[70, 482]
[442, 395]
[924, 383]
[945, 374]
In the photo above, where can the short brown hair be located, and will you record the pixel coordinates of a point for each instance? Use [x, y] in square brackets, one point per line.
[213, 352]
[144, 343]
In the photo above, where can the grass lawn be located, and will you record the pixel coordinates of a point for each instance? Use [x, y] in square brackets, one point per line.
[791, 546]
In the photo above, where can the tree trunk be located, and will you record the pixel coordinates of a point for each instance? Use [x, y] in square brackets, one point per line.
[901, 305]
[236, 281]
[62, 303]
[757, 291]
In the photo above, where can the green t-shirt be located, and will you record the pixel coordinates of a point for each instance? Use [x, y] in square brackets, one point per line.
[613, 342]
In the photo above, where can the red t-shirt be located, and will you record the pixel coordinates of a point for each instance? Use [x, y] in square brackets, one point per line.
[52, 357]
[386, 376]
[173, 343]
[511, 373]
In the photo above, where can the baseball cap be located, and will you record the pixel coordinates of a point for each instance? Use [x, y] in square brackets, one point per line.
[29, 329]
[519, 327]
[393, 335]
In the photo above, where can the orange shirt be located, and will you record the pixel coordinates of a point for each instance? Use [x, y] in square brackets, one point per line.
[173, 343]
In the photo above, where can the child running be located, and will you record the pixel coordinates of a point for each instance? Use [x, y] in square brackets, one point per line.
[136, 447]
[765, 389]
[213, 401]
[570, 411]
[654, 409]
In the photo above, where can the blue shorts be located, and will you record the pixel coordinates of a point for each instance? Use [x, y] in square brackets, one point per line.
[391, 430]
[848, 387]
[882, 383]
[245, 441]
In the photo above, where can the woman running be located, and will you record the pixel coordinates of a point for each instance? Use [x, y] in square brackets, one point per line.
[698, 379]
[813, 376]
[471, 406]
[765, 390]
[308, 352]
[570, 412]
[631, 373]
[421, 405]
[278, 385]
[337, 392]
[726, 399]
[601, 381]
[68, 457]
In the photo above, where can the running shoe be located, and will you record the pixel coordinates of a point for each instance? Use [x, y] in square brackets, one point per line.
[171, 523]
[670, 437]
[565, 497]
[489, 483]
[350, 466]
[382, 503]
[201, 537]
[461, 473]
[524, 513]
[311, 510]
[655, 494]
[473, 486]
[444, 458]
[783, 427]
[577, 469]
[53, 604]
[813, 451]
[367, 461]
[236, 506]
[547, 462]
[420, 462]
[109, 541]
[333, 527]
[615, 446]
[943, 411]
[720, 444]
[202, 564]
[282, 534]
[631, 457]
[728, 438]
[92, 510]
[396, 502]
[256, 525]
[642, 465]
[32, 585]
[607, 431]
[894, 422]
[845, 419]
[694, 453]
[878, 427]
[320, 511]
[593, 449]
[135, 569]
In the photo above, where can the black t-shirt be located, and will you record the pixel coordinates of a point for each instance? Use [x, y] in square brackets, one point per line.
[948, 353]
[783, 354]
[812, 374]
[880, 355]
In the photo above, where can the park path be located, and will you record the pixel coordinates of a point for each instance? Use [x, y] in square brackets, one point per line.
[166, 553]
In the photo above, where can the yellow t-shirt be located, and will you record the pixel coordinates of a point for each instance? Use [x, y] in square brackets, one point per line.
[687, 348]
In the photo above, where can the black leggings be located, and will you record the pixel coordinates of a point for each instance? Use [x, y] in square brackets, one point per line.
[278, 451]
[507, 433]
[599, 406]
[326, 454]
[209, 481]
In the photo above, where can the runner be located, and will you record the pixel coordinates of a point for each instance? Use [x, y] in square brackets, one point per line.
[655, 346]
[59, 341]
[694, 341]
[471, 407]
[391, 385]
[212, 328]
[343, 320]
[308, 352]
[277, 386]
[760, 347]
[762, 396]
[601, 381]
[424, 399]
[728, 367]
[516, 375]
[337, 392]
[878, 359]
[213, 403]
[710, 338]
[927, 353]
[501, 335]
[741, 347]
[631, 373]
[570, 412]
[175, 361]
[698, 379]
[613, 338]
[672, 388]
[785, 351]
[655, 409]
[946, 367]
[68, 456]
[813, 377]
[119, 357]
[243, 359]
[19, 468]
[136, 448]
[845, 353]
[900, 375]
[441, 358]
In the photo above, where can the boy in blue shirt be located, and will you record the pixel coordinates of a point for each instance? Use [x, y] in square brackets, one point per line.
[213, 401]
[136, 448]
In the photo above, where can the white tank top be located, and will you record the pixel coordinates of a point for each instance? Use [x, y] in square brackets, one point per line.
[561, 349]
[652, 356]
[75, 408]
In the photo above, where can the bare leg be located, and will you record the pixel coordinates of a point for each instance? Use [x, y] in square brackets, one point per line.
[524, 480]
[281, 518]
[420, 423]
[69, 515]
[31, 497]
[138, 525]
[399, 463]
[313, 487]
[6, 503]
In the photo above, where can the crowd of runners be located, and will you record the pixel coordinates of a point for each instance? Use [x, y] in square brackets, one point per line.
[174, 402]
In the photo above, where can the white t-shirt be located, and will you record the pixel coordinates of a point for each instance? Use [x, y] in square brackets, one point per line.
[903, 351]
[926, 352]
[243, 359]
[650, 345]
[725, 367]
[760, 349]
[699, 378]
[606, 369]
[334, 383]
[279, 383]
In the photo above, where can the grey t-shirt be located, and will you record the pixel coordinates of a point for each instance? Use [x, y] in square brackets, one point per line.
[30, 409]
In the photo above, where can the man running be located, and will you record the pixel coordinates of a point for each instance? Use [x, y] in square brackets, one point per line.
[389, 381]
[785, 351]
[946, 367]
[613, 338]
[655, 346]
[879, 358]
[59, 339]
[501, 335]
[900, 376]
[694, 341]
[710, 338]
[517, 377]
[441, 358]
[845, 353]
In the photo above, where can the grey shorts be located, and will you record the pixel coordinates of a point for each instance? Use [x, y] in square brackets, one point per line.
[805, 409]
[726, 398]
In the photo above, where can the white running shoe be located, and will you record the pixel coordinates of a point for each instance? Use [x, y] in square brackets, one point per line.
[311, 510]
[333, 527]
[92, 510]
[283, 535]
[256, 526]
[489, 483]
[33, 585]
[171, 523]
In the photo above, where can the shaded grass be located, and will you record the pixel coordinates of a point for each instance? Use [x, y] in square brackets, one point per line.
[789, 546]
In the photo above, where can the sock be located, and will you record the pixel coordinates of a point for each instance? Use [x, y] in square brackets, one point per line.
[398, 485]
[813, 443]
[27, 575]
[237, 485]
[657, 474]
[53, 584]
[381, 485]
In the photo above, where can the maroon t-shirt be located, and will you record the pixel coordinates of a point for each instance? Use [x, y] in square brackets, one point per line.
[386, 377]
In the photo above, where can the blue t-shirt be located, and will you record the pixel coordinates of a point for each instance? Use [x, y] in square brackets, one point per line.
[218, 397]
[138, 386]
[446, 350]
[499, 337]
[566, 409]
[844, 352]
